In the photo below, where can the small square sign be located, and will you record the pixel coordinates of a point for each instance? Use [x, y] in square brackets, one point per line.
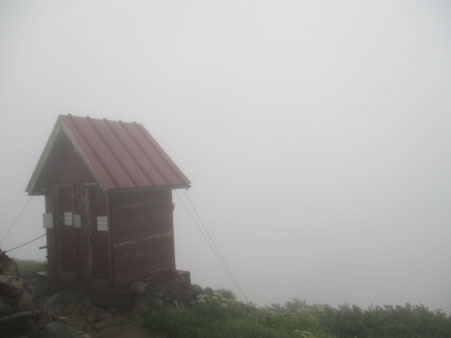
[68, 218]
[102, 223]
[48, 221]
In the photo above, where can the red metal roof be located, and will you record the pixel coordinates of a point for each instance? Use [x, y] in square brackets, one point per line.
[119, 154]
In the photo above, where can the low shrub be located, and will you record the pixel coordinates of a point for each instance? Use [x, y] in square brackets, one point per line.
[206, 321]
[220, 316]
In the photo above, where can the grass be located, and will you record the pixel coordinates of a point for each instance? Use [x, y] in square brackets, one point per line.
[29, 268]
[203, 323]
[218, 316]
[221, 316]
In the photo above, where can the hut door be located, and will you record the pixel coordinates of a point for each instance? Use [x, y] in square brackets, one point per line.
[98, 223]
[65, 231]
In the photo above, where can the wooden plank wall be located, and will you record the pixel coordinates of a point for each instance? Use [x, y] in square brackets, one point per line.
[143, 236]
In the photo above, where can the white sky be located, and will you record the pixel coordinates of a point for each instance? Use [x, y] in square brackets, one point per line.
[316, 133]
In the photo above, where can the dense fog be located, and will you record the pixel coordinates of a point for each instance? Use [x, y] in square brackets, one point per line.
[316, 135]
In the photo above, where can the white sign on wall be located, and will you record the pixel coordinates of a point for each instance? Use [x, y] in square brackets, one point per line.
[77, 221]
[68, 218]
[102, 223]
[48, 221]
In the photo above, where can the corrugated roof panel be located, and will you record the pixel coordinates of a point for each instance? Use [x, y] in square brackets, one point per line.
[135, 152]
[162, 153]
[101, 151]
[150, 152]
[123, 155]
[87, 154]
[114, 144]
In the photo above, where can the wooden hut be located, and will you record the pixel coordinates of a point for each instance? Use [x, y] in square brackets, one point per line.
[108, 200]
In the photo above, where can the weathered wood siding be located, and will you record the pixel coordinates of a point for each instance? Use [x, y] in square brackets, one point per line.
[142, 232]
[67, 247]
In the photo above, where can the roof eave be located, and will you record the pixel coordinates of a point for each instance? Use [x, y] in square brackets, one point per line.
[59, 126]
[30, 189]
[159, 187]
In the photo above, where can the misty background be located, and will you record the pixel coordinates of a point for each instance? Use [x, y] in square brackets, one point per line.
[316, 134]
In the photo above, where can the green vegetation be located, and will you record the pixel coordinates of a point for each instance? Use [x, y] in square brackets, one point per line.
[214, 317]
[223, 316]
[29, 268]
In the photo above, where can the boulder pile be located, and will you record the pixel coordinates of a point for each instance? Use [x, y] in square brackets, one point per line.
[70, 310]
[16, 298]
[97, 312]
[152, 294]
[15, 295]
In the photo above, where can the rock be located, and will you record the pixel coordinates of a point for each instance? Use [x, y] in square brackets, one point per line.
[88, 309]
[209, 291]
[40, 324]
[158, 302]
[71, 308]
[17, 310]
[10, 285]
[7, 266]
[4, 308]
[60, 330]
[197, 290]
[78, 322]
[25, 300]
[91, 319]
[177, 292]
[165, 276]
[69, 304]
[143, 304]
[148, 299]
[54, 304]
[105, 316]
[184, 276]
[138, 287]
[140, 307]
[104, 323]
